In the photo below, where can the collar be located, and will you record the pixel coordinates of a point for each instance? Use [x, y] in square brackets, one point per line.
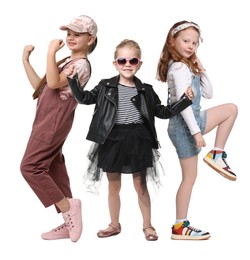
[114, 81]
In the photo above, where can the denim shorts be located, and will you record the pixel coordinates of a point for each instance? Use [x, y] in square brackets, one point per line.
[181, 137]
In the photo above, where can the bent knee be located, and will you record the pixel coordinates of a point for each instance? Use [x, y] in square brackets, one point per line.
[26, 169]
[233, 109]
[23, 169]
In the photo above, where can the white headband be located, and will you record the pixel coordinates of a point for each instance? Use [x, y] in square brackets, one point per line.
[184, 26]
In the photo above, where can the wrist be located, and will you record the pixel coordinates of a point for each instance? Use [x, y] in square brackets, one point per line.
[26, 61]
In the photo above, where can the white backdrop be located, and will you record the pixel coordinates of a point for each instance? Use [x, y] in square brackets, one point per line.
[218, 205]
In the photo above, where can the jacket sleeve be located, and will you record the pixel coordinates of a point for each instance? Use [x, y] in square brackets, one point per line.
[173, 109]
[82, 96]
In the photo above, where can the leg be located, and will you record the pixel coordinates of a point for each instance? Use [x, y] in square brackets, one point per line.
[114, 202]
[114, 197]
[63, 205]
[189, 174]
[182, 230]
[43, 167]
[58, 173]
[36, 170]
[222, 117]
[70, 208]
[140, 185]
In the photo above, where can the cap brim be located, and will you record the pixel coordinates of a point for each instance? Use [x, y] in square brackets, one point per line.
[72, 28]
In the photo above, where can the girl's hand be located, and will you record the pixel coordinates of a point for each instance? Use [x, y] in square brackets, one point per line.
[27, 51]
[199, 140]
[197, 60]
[189, 92]
[70, 71]
[55, 45]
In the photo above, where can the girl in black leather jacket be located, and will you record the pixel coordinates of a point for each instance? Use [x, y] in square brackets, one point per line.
[123, 132]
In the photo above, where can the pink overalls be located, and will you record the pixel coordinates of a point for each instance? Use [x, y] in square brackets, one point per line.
[43, 165]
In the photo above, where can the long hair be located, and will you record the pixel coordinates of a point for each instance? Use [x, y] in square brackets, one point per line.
[43, 81]
[169, 53]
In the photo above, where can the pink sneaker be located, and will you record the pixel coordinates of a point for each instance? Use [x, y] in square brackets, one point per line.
[73, 219]
[57, 233]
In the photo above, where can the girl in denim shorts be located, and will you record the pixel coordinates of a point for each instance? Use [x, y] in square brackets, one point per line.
[180, 67]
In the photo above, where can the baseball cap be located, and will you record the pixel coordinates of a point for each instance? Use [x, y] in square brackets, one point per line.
[81, 24]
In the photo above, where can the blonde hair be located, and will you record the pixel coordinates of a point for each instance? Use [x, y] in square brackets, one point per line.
[129, 44]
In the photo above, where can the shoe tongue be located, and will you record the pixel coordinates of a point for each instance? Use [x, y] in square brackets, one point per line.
[224, 155]
[186, 223]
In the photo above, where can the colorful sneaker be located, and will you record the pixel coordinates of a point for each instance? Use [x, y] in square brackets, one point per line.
[183, 231]
[216, 159]
[57, 233]
[73, 219]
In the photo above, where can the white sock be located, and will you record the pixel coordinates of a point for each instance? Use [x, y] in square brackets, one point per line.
[179, 220]
[217, 148]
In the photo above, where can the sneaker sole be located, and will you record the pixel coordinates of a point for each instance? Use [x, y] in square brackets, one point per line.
[222, 172]
[44, 237]
[182, 237]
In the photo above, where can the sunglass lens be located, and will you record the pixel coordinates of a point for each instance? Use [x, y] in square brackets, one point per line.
[134, 61]
[121, 61]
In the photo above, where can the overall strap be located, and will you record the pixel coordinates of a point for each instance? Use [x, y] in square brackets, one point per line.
[169, 100]
[90, 69]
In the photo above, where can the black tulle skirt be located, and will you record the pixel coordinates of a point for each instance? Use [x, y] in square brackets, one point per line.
[127, 149]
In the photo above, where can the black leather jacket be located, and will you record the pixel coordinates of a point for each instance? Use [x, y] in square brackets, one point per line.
[105, 96]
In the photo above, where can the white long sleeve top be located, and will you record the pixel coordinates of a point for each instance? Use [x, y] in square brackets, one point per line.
[179, 78]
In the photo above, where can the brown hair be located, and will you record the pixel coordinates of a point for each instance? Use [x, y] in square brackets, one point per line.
[169, 53]
[92, 46]
[43, 82]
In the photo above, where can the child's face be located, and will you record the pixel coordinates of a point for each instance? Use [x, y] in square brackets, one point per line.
[187, 42]
[78, 41]
[127, 62]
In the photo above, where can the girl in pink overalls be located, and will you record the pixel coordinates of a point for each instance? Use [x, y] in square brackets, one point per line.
[43, 165]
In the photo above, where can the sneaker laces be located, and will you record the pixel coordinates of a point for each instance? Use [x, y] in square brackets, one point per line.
[224, 156]
[68, 222]
[186, 224]
[59, 227]
[194, 229]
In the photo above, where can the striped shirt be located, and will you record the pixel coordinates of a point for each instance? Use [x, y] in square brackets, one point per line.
[127, 112]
